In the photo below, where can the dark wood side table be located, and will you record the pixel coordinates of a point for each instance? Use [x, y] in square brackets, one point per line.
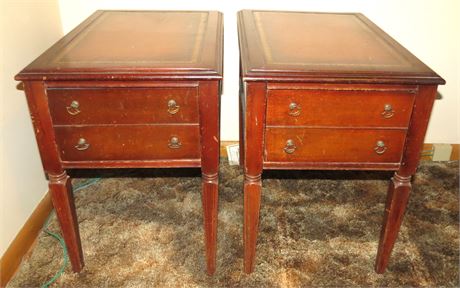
[129, 89]
[329, 91]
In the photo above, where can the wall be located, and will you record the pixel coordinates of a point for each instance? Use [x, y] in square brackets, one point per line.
[27, 29]
[430, 29]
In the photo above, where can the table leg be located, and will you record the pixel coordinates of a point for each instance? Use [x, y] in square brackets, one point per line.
[397, 198]
[252, 191]
[210, 200]
[253, 137]
[400, 186]
[210, 148]
[63, 202]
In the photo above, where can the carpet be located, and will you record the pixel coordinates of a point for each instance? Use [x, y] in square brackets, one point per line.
[143, 228]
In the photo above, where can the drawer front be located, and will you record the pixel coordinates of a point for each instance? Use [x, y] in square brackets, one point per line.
[128, 142]
[73, 106]
[333, 145]
[339, 108]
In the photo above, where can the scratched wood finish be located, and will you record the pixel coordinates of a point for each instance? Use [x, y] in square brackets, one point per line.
[340, 107]
[141, 45]
[123, 68]
[340, 70]
[324, 48]
[302, 165]
[321, 145]
[111, 105]
[59, 184]
[400, 185]
[64, 205]
[210, 149]
[128, 142]
[160, 163]
[254, 122]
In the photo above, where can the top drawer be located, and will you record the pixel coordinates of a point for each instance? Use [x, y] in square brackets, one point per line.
[340, 107]
[75, 106]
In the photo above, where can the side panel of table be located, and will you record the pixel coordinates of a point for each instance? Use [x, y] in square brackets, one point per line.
[59, 182]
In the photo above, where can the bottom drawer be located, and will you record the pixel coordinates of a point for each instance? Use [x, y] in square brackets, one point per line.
[333, 145]
[128, 142]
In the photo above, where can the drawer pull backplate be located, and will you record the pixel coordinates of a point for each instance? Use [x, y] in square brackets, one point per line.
[73, 109]
[388, 111]
[82, 145]
[174, 143]
[380, 147]
[294, 109]
[173, 108]
[290, 146]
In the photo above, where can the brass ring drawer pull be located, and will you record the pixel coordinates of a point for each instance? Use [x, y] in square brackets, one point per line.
[82, 145]
[174, 143]
[294, 109]
[380, 147]
[388, 111]
[173, 108]
[73, 109]
[290, 146]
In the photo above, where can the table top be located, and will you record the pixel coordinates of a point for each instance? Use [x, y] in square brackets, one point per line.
[136, 44]
[331, 47]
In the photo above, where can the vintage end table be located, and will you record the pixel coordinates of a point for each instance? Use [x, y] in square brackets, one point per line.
[129, 89]
[329, 91]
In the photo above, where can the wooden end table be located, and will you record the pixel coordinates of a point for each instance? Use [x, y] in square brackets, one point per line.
[329, 91]
[129, 89]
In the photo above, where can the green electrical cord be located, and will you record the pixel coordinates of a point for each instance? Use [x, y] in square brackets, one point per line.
[66, 258]
[60, 239]
[427, 153]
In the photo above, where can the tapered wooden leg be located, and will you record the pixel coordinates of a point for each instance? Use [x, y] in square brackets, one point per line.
[397, 198]
[210, 200]
[210, 147]
[252, 191]
[400, 186]
[63, 202]
[253, 139]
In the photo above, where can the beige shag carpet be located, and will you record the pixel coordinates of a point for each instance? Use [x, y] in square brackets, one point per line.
[143, 228]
